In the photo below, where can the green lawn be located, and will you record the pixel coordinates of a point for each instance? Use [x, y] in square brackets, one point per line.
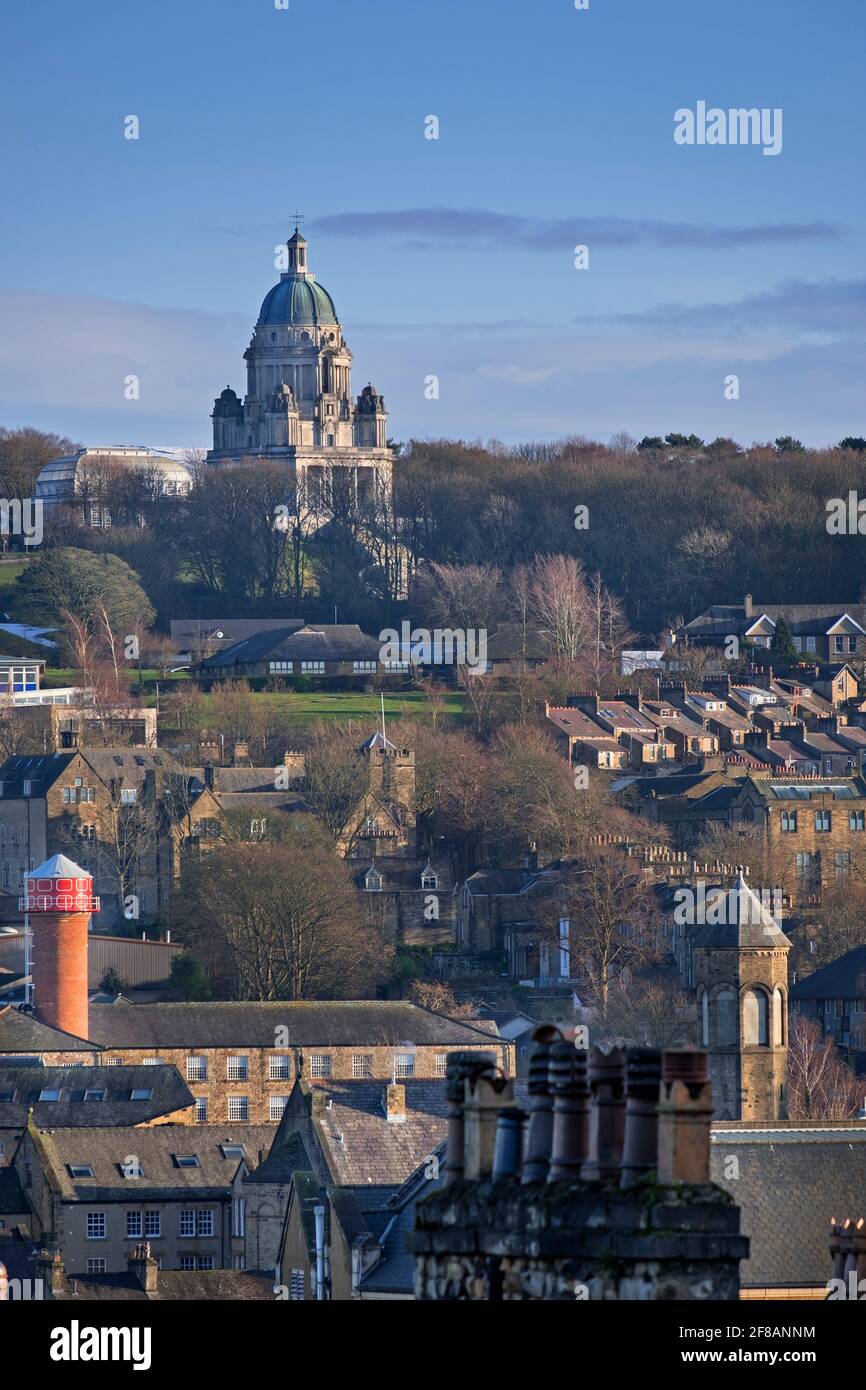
[65, 675]
[10, 570]
[354, 704]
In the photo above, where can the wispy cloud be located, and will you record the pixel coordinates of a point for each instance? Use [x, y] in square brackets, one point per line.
[836, 308]
[480, 229]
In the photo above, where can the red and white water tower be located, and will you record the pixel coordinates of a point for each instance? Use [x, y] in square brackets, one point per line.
[58, 903]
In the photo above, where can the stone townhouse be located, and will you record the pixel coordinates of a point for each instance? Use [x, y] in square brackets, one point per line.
[107, 809]
[66, 1097]
[815, 828]
[826, 632]
[240, 1060]
[835, 996]
[95, 1193]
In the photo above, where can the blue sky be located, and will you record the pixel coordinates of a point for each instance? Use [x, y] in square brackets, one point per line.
[451, 257]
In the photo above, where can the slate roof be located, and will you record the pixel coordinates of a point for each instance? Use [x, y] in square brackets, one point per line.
[782, 789]
[576, 723]
[287, 1155]
[689, 784]
[803, 619]
[129, 765]
[791, 1181]
[329, 642]
[169, 1092]
[340, 1023]
[156, 1147]
[493, 881]
[22, 1033]
[233, 630]
[843, 978]
[363, 1147]
[18, 1253]
[241, 779]
[202, 1285]
[747, 922]
[394, 1272]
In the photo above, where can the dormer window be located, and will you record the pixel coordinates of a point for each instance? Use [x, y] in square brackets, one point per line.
[373, 881]
[429, 879]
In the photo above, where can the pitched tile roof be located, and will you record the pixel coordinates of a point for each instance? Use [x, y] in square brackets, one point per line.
[168, 1093]
[156, 1148]
[843, 978]
[336, 1023]
[22, 1033]
[203, 1285]
[362, 1146]
[791, 1180]
[331, 642]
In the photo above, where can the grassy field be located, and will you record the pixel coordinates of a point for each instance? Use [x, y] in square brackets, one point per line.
[354, 704]
[301, 706]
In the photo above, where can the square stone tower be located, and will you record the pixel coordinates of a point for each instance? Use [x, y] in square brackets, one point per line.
[740, 973]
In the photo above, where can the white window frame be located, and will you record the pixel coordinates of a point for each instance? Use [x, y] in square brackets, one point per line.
[236, 1105]
[97, 1225]
[276, 1107]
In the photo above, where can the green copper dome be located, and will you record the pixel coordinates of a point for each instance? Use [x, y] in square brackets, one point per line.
[298, 300]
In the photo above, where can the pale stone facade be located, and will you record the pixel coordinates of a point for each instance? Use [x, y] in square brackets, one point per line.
[298, 409]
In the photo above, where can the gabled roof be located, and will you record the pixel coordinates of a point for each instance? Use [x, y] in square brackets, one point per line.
[791, 1180]
[168, 1092]
[322, 642]
[337, 1023]
[843, 978]
[803, 619]
[22, 1033]
[156, 1148]
[361, 1146]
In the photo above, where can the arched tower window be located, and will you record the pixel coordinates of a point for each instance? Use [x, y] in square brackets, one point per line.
[779, 1039]
[726, 1017]
[704, 1017]
[756, 1018]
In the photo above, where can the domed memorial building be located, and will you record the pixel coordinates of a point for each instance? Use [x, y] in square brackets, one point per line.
[298, 408]
[105, 485]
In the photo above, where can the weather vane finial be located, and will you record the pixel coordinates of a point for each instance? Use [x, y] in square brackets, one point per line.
[299, 217]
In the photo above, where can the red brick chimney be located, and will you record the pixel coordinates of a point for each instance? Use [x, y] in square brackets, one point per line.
[59, 900]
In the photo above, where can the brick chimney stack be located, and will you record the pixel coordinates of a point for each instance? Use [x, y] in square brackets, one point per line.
[51, 1272]
[395, 1104]
[144, 1268]
[59, 900]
